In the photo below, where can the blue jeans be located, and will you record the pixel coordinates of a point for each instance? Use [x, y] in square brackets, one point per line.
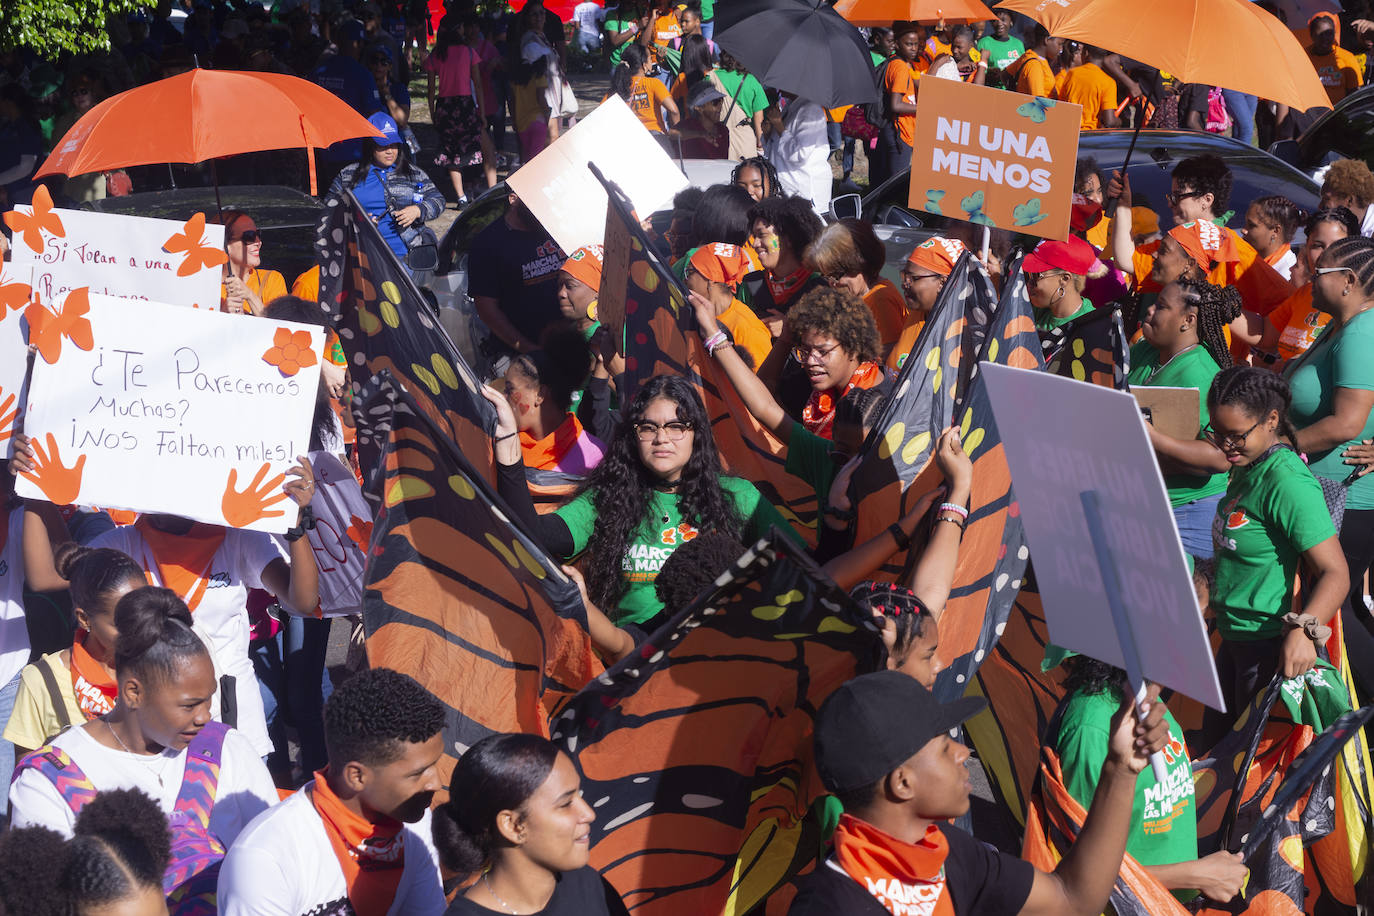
[708, 29]
[1242, 108]
[839, 141]
[7, 761]
[290, 669]
[1194, 521]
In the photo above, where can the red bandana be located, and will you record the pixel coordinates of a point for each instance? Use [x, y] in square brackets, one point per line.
[906, 878]
[784, 288]
[94, 689]
[818, 415]
[372, 856]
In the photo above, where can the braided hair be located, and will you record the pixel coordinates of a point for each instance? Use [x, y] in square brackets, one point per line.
[1216, 307]
[770, 175]
[1257, 392]
[1356, 253]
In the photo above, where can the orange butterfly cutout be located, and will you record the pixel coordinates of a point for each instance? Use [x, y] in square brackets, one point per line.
[14, 296]
[47, 328]
[32, 225]
[191, 239]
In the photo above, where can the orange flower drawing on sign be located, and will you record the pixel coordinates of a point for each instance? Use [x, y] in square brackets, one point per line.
[47, 328]
[59, 483]
[191, 239]
[242, 509]
[32, 225]
[291, 351]
[14, 296]
[359, 532]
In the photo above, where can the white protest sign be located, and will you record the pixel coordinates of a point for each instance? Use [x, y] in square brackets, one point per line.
[14, 349]
[1062, 438]
[188, 412]
[132, 257]
[340, 538]
[562, 192]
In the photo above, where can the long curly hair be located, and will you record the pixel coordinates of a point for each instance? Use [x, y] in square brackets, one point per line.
[621, 487]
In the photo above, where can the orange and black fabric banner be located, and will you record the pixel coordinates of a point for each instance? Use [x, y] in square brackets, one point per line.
[660, 338]
[696, 751]
[456, 595]
[1093, 348]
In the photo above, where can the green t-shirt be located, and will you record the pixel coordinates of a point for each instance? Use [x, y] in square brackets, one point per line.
[708, 10]
[1163, 818]
[1000, 54]
[1270, 514]
[1045, 320]
[616, 25]
[1193, 368]
[1340, 359]
[809, 459]
[662, 532]
[878, 59]
[752, 99]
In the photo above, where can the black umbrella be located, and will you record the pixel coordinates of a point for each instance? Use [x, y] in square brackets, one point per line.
[799, 46]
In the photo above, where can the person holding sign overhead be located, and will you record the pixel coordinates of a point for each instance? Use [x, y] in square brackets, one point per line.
[1272, 517]
[247, 287]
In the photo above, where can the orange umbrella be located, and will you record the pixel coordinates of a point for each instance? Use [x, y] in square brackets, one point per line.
[885, 12]
[205, 114]
[1228, 43]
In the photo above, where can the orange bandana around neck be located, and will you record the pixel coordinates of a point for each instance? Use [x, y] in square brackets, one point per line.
[183, 560]
[818, 415]
[94, 689]
[372, 856]
[903, 877]
[547, 453]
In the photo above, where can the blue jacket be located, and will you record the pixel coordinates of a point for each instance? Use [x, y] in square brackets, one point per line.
[401, 189]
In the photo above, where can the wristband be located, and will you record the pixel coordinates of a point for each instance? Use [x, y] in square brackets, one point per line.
[841, 514]
[306, 523]
[958, 523]
[901, 537]
[715, 340]
[1309, 624]
[955, 508]
[506, 436]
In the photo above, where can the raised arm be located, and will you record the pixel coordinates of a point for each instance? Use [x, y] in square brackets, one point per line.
[755, 394]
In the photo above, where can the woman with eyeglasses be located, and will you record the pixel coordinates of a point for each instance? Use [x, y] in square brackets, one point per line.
[1272, 518]
[1333, 393]
[247, 287]
[659, 484]
[1183, 345]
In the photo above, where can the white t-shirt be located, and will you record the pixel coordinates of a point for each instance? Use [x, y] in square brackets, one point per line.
[801, 154]
[284, 865]
[337, 502]
[14, 632]
[244, 790]
[221, 618]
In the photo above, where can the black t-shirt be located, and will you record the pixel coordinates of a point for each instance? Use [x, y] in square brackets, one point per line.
[519, 269]
[578, 893]
[978, 879]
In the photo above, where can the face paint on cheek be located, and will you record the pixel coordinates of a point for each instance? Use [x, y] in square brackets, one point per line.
[773, 243]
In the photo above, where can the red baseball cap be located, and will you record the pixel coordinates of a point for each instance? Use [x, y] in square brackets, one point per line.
[1075, 256]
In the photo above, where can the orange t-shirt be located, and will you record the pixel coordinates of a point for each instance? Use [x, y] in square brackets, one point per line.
[900, 77]
[914, 322]
[1091, 87]
[1299, 323]
[307, 285]
[666, 28]
[748, 331]
[265, 284]
[1339, 72]
[646, 101]
[1034, 75]
[888, 306]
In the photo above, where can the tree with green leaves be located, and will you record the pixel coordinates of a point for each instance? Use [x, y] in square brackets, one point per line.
[50, 27]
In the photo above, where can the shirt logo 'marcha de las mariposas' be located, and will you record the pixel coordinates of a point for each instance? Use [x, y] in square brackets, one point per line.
[1236, 519]
[683, 533]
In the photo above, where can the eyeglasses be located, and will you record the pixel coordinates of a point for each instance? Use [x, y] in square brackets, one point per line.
[916, 278]
[1176, 198]
[1230, 440]
[1318, 271]
[249, 237]
[673, 431]
[803, 355]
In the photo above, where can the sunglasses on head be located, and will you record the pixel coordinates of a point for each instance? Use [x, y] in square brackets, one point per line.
[249, 237]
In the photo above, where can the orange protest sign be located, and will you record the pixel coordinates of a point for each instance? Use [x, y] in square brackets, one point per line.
[994, 158]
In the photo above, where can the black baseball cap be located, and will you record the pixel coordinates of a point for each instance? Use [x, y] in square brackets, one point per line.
[876, 722]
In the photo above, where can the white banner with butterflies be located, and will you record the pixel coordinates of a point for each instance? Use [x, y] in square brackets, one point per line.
[131, 257]
[189, 412]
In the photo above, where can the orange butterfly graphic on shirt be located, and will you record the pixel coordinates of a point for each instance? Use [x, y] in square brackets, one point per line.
[191, 239]
[47, 328]
[14, 296]
[32, 225]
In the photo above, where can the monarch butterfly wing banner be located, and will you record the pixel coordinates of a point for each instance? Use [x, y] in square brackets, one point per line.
[992, 553]
[458, 596]
[1092, 349]
[696, 750]
[384, 324]
[660, 337]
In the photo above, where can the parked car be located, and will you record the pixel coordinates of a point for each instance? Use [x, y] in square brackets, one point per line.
[1256, 174]
[1344, 132]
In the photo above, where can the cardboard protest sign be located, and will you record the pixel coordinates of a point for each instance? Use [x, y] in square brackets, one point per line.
[995, 158]
[561, 191]
[132, 257]
[1095, 440]
[14, 350]
[189, 412]
[1173, 411]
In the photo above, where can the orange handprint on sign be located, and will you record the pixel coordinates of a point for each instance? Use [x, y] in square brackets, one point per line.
[59, 483]
[191, 239]
[8, 414]
[243, 509]
[47, 328]
[32, 225]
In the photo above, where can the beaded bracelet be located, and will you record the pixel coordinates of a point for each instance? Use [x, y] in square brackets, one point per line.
[955, 508]
[715, 342]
